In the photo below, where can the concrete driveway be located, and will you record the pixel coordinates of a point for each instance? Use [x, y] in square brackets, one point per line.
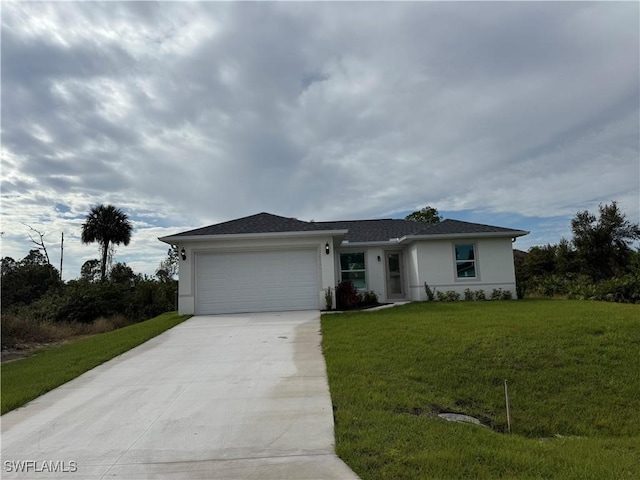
[230, 397]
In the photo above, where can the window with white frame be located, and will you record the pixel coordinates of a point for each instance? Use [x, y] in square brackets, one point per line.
[466, 261]
[352, 268]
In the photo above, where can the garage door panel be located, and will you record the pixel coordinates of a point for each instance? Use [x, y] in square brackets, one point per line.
[257, 281]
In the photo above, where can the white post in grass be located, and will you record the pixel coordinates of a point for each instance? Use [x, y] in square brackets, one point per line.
[506, 398]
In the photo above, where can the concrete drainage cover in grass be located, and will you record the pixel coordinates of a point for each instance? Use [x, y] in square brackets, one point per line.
[458, 417]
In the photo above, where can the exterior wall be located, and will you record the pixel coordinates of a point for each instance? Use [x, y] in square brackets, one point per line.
[186, 274]
[375, 272]
[375, 269]
[416, 289]
[374, 275]
[436, 266]
[430, 261]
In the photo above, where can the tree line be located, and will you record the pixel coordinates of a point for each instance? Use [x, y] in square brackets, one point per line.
[599, 261]
[33, 287]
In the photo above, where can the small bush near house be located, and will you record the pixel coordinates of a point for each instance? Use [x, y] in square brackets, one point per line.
[328, 299]
[470, 295]
[506, 295]
[347, 296]
[448, 296]
[430, 292]
[369, 298]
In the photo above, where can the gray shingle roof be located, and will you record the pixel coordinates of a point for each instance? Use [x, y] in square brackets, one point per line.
[447, 227]
[375, 230]
[385, 229]
[380, 230]
[258, 223]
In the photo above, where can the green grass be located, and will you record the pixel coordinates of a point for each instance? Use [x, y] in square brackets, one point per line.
[28, 378]
[574, 375]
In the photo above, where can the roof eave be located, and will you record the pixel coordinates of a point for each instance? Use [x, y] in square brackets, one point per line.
[175, 239]
[450, 236]
[379, 243]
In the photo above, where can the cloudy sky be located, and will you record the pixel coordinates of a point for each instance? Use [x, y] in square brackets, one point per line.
[187, 114]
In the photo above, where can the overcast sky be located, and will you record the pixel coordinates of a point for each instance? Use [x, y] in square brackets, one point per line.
[187, 114]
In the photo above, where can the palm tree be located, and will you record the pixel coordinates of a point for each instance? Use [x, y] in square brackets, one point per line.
[108, 226]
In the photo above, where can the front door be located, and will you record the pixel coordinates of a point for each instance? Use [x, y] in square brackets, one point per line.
[393, 265]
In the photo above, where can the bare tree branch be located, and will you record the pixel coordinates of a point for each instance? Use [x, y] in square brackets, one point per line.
[40, 244]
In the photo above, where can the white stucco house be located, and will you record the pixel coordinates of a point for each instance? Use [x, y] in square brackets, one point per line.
[265, 262]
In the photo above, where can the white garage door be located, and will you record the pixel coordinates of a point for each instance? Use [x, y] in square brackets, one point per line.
[257, 281]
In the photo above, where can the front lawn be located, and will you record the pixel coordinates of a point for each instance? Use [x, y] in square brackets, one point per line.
[28, 378]
[573, 369]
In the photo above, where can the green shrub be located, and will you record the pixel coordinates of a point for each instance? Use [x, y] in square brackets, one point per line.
[369, 298]
[328, 299]
[150, 299]
[83, 302]
[506, 295]
[500, 294]
[430, 292]
[624, 289]
[468, 295]
[480, 295]
[550, 285]
[347, 296]
[580, 287]
[448, 296]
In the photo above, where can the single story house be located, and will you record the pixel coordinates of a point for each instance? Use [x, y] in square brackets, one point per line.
[265, 262]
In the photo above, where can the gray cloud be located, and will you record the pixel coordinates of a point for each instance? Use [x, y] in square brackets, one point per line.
[192, 113]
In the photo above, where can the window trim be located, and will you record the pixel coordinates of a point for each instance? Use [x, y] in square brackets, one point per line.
[363, 270]
[456, 262]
